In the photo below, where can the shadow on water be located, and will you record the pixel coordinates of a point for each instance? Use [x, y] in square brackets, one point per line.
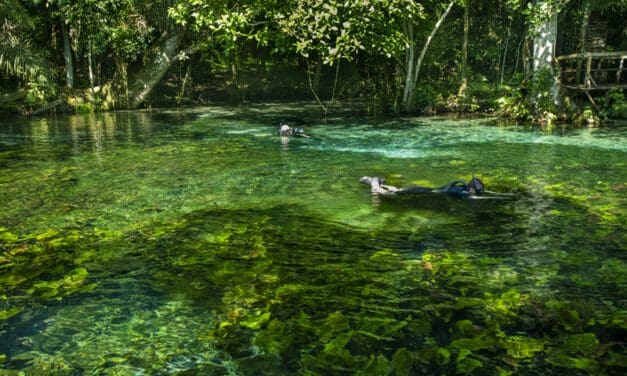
[280, 289]
[299, 291]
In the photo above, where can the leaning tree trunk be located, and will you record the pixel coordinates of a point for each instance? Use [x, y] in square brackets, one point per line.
[142, 81]
[408, 98]
[12, 97]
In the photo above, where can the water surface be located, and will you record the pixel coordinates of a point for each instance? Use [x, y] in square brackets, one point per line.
[200, 242]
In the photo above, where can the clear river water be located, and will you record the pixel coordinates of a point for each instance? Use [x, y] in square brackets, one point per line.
[200, 242]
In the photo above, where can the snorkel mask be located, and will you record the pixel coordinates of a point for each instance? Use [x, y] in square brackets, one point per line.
[475, 186]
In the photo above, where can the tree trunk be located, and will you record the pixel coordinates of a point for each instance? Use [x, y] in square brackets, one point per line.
[337, 75]
[544, 41]
[585, 21]
[317, 75]
[518, 53]
[416, 72]
[313, 90]
[526, 58]
[505, 56]
[12, 97]
[89, 63]
[67, 54]
[464, 81]
[149, 75]
[544, 44]
[410, 54]
[181, 95]
[47, 107]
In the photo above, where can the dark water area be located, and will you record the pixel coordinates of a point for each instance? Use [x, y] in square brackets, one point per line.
[200, 242]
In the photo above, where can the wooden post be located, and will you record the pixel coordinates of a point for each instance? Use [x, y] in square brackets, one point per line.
[588, 77]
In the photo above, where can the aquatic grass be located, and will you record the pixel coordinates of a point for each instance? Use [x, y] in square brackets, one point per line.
[195, 242]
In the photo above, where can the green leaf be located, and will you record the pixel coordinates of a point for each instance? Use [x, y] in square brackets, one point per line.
[615, 360]
[519, 347]
[8, 313]
[255, 322]
[402, 361]
[274, 339]
[584, 344]
[47, 235]
[443, 356]
[8, 237]
[377, 366]
[468, 365]
[560, 359]
[473, 344]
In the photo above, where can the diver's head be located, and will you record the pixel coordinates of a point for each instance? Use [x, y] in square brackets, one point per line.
[365, 180]
[285, 129]
[475, 186]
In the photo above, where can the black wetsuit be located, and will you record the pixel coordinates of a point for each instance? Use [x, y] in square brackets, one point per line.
[295, 132]
[457, 188]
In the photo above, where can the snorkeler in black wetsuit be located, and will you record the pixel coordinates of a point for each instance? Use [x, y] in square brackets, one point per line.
[458, 188]
[286, 131]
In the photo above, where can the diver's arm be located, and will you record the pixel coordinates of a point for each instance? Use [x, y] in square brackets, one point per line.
[376, 187]
[500, 193]
[447, 187]
[471, 197]
[381, 189]
[390, 188]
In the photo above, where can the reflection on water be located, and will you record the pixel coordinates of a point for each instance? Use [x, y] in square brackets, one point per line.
[201, 242]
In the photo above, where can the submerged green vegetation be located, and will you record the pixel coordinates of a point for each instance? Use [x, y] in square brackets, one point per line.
[199, 243]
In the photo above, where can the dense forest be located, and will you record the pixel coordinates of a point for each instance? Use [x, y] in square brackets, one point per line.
[397, 56]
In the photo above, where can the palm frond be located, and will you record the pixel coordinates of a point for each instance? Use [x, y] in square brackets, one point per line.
[12, 11]
[19, 59]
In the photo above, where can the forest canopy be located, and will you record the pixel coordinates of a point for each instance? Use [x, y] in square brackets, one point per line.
[406, 56]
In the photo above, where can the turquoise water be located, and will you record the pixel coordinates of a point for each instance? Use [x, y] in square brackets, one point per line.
[200, 242]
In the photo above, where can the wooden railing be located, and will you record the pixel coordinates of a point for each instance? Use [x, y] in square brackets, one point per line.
[593, 70]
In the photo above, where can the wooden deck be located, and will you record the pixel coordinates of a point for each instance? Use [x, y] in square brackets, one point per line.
[593, 71]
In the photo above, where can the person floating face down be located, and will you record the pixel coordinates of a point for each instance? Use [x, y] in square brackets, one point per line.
[286, 131]
[457, 188]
